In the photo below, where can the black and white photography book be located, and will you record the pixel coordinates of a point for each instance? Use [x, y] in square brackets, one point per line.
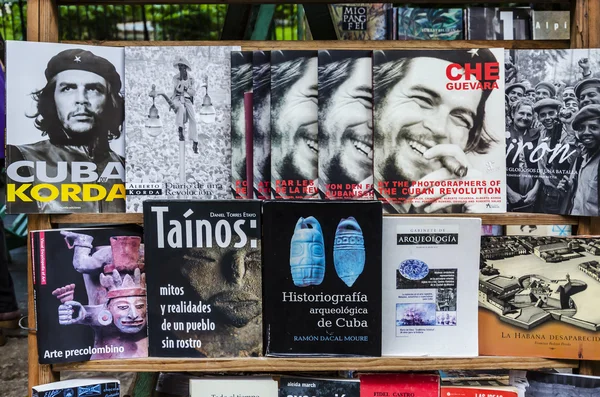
[261, 119]
[345, 125]
[65, 149]
[241, 84]
[553, 131]
[178, 119]
[438, 130]
[294, 124]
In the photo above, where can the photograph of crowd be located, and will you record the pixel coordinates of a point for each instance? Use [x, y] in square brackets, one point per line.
[553, 131]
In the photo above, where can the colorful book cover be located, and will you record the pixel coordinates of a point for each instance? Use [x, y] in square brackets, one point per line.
[430, 23]
[345, 125]
[230, 386]
[90, 294]
[65, 146]
[241, 83]
[100, 387]
[261, 132]
[204, 278]
[360, 21]
[429, 287]
[414, 385]
[322, 269]
[551, 25]
[438, 130]
[469, 390]
[552, 151]
[318, 387]
[294, 124]
[537, 297]
[178, 121]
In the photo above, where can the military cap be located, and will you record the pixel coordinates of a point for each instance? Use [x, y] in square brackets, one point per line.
[510, 87]
[546, 102]
[548, 86]
[79, 59]
[584, 84]
[589, 112]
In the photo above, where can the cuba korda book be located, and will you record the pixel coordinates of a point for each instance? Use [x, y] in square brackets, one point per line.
[318, 387]
[90, 294]
[345, 125]
[439, 130]
[429, 285]
[64, 154]
[294, 129]
[322, 277]
[538, 297]
[241, 83]
[205, 282]
[261, 115]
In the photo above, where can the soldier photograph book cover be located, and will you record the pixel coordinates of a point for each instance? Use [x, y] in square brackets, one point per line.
[538, 297]
[65, 147]
[204, 280]
[178, 121]
[241, 84]
[438, 122]
[90, 294]
[553, 131]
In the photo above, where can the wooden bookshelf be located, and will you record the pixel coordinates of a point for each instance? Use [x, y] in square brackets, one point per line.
[42, 25]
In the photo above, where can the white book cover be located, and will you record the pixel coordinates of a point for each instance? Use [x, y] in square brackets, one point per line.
[178, 120]
[232, 387]
[65, 146]
[429, 286]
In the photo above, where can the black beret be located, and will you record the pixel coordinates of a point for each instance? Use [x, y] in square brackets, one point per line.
[79, 59]
[588, 112]
[546, 102]
[585, 83]
[544, 84]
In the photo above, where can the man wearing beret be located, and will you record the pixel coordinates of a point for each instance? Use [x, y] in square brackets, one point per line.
[556, 157]
[515, 92]
[544, 90]
[80, 110]
[588, 92]
[586, 124]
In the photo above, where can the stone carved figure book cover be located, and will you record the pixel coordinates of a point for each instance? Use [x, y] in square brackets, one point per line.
[322, 272]
[537, 297]
[204, 281]
[90, 294]
[65, 144]
[178, 122]
[438, 120]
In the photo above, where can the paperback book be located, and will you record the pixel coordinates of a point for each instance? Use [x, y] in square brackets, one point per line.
[204, 278]
[178, 121]
[90, 294]
[467, 389]
[322, 266]
[537, 297]
[294, 127]
[261, 132]
[426, 163]
[543, 384]
[360, 21]
[551, 25]
[552, 155]
[230, 386]
[414, 385]
[241, 84]
[345, 125]
[100, 387]
[429, 287]
[497, 23]
[430, 23]
[318, 387]
[64, 154]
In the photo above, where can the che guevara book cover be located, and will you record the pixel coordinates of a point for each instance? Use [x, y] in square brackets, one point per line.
[204, 281]
[322, 266]
[90, 294]
[241, 84]
[537, 297]
[318, 387]
[439, 133]
[65, 149]
[261, 131]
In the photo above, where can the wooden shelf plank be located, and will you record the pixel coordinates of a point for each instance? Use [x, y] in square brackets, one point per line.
[346, 44]
[314, 364]
[429, 2]
[487, 219]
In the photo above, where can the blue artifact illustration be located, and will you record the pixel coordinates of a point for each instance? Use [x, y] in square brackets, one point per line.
[307, 253]
[413, 269]
[349, 250]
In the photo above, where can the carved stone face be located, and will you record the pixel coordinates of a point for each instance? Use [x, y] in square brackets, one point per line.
[129, 313]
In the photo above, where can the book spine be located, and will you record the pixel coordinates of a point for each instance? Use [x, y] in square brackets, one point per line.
[248, 111]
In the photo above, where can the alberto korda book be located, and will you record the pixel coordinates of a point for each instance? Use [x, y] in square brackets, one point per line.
[318, 387]
[537, 297]
[204, 281]
[322, 273]
[178, 119]
[439, 130]
[65, 143]
[241, 84]
[429, 286]
[90, 294]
